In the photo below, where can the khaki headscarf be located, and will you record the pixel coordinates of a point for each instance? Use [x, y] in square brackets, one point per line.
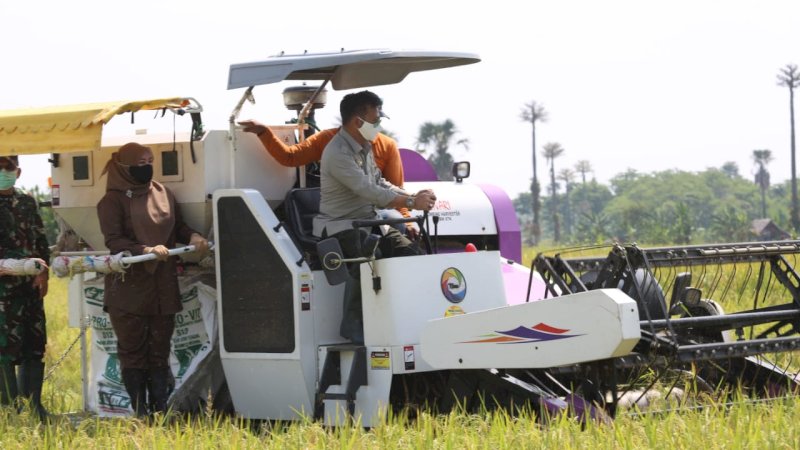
[152, 208]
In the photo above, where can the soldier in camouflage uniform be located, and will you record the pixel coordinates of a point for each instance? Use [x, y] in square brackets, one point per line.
[22, 322]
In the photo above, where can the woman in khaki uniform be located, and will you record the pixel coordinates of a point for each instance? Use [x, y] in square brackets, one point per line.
[141, 216]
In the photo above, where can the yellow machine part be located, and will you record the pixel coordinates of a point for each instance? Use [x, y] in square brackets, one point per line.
[71, 128]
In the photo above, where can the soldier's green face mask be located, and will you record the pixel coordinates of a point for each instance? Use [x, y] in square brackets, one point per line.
[7, 179]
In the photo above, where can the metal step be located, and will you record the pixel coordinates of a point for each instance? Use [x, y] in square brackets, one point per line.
[332, 375]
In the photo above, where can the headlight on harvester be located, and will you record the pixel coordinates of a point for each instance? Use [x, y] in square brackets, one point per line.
[460, 170]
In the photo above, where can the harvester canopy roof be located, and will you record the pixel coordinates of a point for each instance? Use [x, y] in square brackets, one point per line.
[60, 129]
[346, 69]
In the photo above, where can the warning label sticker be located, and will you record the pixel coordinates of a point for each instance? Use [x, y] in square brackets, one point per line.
[379, 361]
[453, 310]
[408, 357]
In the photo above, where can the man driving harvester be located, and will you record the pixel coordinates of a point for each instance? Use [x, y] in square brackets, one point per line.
[352, 188]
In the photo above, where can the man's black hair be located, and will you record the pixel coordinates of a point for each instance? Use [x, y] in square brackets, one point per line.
[12, 158]
[357, 104]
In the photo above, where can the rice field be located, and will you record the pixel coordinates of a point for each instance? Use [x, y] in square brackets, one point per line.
[768, 425]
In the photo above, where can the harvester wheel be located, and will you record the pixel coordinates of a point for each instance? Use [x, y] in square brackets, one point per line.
[704, 308]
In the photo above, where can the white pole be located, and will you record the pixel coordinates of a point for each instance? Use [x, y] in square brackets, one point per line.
[128, 260]
[84, 353]
[248, 95]
[84, 367]
[83, 253]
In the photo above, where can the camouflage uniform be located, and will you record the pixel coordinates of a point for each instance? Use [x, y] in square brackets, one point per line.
[22, 322]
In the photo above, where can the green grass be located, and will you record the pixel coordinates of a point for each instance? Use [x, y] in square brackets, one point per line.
[741, 426]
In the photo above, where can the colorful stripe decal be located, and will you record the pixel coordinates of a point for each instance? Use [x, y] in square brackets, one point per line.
[523, 335]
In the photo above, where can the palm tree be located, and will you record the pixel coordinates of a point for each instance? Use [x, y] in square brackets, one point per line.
[762, 158]
[790, 77]
[533, 112]
[440, 135]
[551, 151]
[731, 169]
[583, 167]
[567, 176]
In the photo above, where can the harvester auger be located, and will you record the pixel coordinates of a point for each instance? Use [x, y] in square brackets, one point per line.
[681, 292]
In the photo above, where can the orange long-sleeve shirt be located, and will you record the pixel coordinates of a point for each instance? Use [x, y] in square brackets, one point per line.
[384, 148]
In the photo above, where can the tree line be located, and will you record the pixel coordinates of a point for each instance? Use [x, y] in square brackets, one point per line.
[662, 207]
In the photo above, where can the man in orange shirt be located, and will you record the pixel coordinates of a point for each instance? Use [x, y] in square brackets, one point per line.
[384, 148]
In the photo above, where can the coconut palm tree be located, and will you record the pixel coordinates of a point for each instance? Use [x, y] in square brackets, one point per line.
[790, 77]
[762, 158]
[440, 135]
[551, 151]
[583, 167]
[534, 112]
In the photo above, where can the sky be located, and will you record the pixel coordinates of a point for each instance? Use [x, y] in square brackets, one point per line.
[645, 85]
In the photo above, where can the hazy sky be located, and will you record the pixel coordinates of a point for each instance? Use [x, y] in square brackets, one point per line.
[640, 84]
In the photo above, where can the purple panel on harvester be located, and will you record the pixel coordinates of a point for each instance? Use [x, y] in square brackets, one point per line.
[515, 281]
[583, 410]
[505, 217]
[416, 167]
[553, 406]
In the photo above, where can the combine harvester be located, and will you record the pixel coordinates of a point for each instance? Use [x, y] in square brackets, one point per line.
[444, 330]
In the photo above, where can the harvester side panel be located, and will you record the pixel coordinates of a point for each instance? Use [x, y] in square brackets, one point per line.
[266, 318]
[416, 289]
[570, 329]
[249, 297]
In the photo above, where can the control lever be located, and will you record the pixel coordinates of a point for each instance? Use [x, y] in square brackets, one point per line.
[436, 233]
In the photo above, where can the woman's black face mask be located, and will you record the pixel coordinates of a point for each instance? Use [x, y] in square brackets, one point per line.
[142, 174]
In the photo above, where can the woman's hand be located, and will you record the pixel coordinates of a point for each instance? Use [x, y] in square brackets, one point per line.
[161, 252]
[200, 243]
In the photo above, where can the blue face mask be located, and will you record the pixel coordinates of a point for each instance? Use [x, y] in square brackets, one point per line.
[7, 179]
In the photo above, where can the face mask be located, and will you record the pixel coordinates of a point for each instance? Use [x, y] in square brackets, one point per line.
[368, 130]
[7, 179]
[142, 174]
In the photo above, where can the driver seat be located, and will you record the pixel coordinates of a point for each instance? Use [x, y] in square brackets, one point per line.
[302, 205]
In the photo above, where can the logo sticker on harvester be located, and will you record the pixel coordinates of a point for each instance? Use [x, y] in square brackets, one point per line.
[453, 310]
[408, 357]
[379, 361]
[454, 286]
